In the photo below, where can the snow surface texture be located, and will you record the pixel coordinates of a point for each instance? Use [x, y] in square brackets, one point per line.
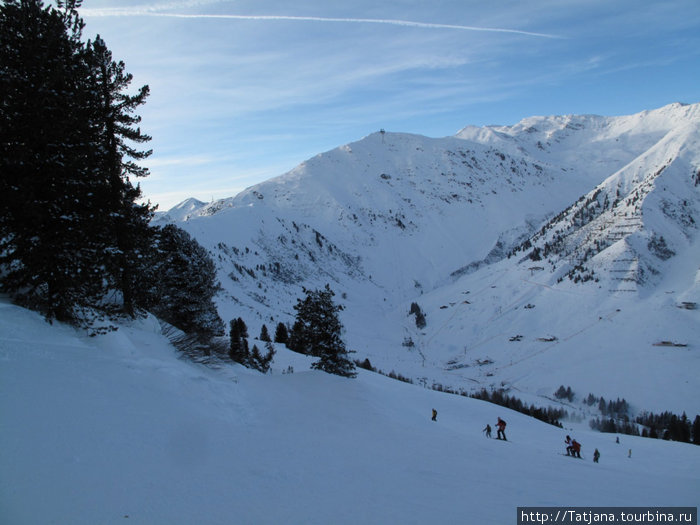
[602, 293]
[118, 429]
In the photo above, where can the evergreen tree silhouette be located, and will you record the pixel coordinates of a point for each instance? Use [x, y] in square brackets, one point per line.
[318, 329]
[264, 334]
[281, 334]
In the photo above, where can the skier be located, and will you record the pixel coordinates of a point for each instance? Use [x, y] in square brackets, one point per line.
[501, 429]
[568, 445]
[575, 448]
[596, 456]
[487, 430]
[434, 415]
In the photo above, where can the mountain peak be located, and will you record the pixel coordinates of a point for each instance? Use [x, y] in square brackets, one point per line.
[601, 212]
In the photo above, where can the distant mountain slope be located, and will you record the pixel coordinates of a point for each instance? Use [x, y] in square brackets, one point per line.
[642, 214]
[546, 230]
[181, 212]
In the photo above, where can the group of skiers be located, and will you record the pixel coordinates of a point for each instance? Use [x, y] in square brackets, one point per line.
[573, 447]
[501, 434]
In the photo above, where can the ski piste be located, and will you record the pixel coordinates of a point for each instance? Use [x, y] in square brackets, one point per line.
[504, 440]
[42, 379]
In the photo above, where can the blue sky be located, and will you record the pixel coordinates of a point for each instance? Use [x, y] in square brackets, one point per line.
[244, 90]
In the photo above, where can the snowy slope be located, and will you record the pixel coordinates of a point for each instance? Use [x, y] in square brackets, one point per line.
[117, 429]
[612, 275]
[611, 204]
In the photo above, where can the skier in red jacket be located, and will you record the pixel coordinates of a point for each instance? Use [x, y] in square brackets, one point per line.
[575, 449]
[501, 429]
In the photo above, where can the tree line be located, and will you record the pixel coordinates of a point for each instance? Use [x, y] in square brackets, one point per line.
[75, 243]
[317, 331]
[499, 397]
[666, 425]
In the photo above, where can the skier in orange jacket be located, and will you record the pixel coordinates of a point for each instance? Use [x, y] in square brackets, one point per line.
[575, 448]
[501, 434]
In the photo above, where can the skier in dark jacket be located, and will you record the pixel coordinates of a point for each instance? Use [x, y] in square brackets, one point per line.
[434, 415]
[596, 456]
[487, 430]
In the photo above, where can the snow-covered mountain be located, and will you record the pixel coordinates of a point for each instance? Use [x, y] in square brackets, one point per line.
[180, 212]
[558, 251]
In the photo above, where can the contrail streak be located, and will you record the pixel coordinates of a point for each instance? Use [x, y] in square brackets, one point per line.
[405, 23]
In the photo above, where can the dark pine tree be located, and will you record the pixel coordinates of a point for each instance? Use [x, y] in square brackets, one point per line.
[264, 334]
[560, 393]
[126, 227]
[602, 406]
[235, 342]
[238, 334]
[261, 362]
[242, 327]
[319, 330]
[181, 283]
[366, 364]
[696, 430]
[70, 231]
[420, 316]
[269, 356]
[47, 169]
[281, 334]
[295, 341]
[256, 357]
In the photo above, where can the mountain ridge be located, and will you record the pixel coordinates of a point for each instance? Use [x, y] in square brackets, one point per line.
[606, 207]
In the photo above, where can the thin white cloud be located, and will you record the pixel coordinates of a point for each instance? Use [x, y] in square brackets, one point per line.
[157, 12]
[146, 9]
